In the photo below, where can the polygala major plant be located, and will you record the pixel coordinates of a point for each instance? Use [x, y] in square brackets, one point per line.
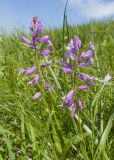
[36, 29]
[77, 61]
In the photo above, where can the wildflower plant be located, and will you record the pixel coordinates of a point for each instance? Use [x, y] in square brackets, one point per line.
[36, 29]
[73, 64]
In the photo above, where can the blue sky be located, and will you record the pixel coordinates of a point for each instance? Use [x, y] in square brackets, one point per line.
[15, 13]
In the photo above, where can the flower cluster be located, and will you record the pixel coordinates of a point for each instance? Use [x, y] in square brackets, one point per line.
[68, 103]
[80, 60]
[77, 62]
[88, 80]
[36, 29]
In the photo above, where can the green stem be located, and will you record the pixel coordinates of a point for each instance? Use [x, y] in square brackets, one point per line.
[96, 60]
[85, 127]
[54, 76]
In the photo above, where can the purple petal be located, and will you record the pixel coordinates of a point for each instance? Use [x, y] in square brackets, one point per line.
[33, 39]
[87, 55]
[73, 112]
[36, 26]
[70, 103]
[31, 70]
[84, 78]
[67, 70]
[85, 64]
[70, 46]
[35, 80]
[70, 55]
[36, 96]
[25, 40]
[44, 39]
[91, 83]
[30, 82]
[46, 63]
[45, 52]
[77, 42]
[65, 64]
[47, 86]
[34, 47]
[68, 96]
[80, 104]
[82, 88]
[22, 71]
[39, 29]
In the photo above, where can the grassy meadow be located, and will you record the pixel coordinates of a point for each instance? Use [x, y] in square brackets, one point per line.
[41, 129]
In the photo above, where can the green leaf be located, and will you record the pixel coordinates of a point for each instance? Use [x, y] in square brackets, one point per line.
[1, 157]
[9, 146]
[104, 137]
[56, 138]
[33, 140]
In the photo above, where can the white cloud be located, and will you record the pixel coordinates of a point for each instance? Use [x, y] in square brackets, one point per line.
[93, 8]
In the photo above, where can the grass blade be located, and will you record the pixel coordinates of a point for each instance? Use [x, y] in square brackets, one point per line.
[9, 146]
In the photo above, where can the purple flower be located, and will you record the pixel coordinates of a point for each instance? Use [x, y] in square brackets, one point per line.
[67, 70]
[36, 96]
[84, 78]
[73, 112]
[79, 104]
[77, 43]
[47, 86]
[33, 39]
[34, 47]
[87, 55]
[44, 39]
[35, 80]
[70, 48]
[30, 43]
[46, 63]
[83, 88]
[27, 71]
[70, 103]
[68, 96]
[70, 55]
[91, 46]
[73, 46]
[65, 64]
[36, 27]
[39, 29]
[22, 71]
[91, 83]
[68, 100]
[30, 70]
[25, 40]
[45, 52]
[87, 79]
[86, 64]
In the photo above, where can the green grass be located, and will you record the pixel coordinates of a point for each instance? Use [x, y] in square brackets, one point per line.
[41, 130]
